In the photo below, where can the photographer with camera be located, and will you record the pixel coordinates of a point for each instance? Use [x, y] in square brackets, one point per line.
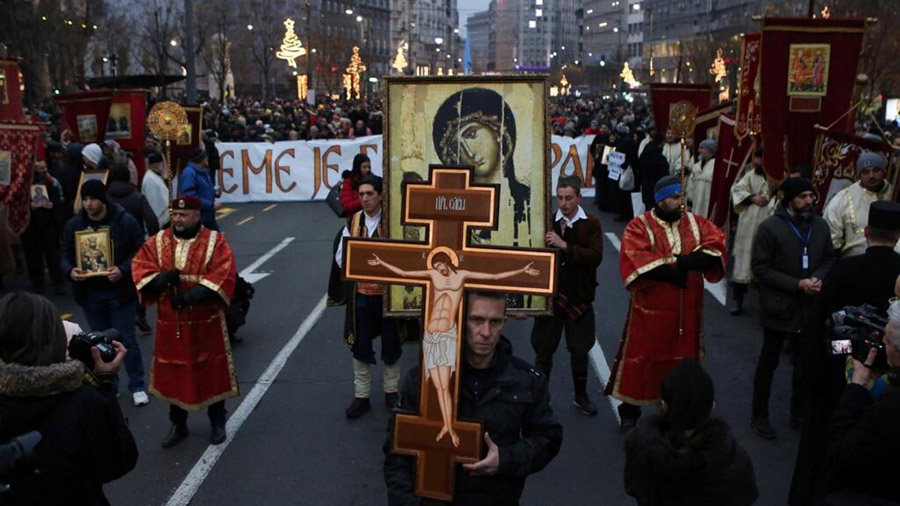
[84, 439]
[864, 434]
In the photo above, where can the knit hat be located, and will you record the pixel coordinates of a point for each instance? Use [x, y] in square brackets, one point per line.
[92, 153]
[667, 186]
[622, 128]
[869, 160]
[198, 155]
[95, 189]
[373, 180]
[709, 144]
[793, 186]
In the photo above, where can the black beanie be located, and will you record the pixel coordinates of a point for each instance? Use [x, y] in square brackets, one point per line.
[94, 188]
[793, 186]
[689, 395]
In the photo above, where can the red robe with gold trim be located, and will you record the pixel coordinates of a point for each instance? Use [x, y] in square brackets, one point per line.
[195, 369]
[664, 323]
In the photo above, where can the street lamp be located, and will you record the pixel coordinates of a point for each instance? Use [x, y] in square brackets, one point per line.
[438, 40]
[173, 42]
[250, 27]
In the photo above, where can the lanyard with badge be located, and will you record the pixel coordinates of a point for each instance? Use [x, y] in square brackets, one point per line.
[804, 243]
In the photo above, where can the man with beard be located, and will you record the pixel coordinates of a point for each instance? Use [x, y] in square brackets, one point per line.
[666, 255]
[847, 213]
[192, 363]
[672, 151]
[699, 184]
[791, 256]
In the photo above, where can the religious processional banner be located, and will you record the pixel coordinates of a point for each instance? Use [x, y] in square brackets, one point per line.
[807, 79]
[10, 91]
[19, 141]
[188, 138]
[127, 115]
[747, 118]
[85, 114]
[664, 95]
[707, 124]
[296, 171]
[731, 157]
[834, 167]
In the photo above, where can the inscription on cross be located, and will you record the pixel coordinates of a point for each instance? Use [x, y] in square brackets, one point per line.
[445, 265]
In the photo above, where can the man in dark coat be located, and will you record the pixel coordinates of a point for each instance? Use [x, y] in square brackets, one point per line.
[792, 254]
[122, 192]
[621, 199]
[653, 167]
[853, 281]
[507, 395]
[579, 239]
[864, 433]
[40, 241]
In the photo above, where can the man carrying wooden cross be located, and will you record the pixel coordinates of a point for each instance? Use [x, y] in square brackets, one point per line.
[507, 395]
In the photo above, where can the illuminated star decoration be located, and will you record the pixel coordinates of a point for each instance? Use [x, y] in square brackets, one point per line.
[628, 76]
[718, 67]
[400, 63]
[355, 68]
[291, 47]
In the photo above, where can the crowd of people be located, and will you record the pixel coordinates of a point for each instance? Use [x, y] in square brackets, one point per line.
[806, 266]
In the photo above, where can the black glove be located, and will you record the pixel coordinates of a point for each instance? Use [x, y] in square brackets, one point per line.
[667, 274]
[177, 301]
[162, 282]
[171, 277]
[696, 261]
[193, 296]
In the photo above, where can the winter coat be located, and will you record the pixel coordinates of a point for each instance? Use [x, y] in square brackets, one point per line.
[777, 266]
[653, 166]
[136, 204]
[198, 181]
[84, 439]
[863, 444]
[350, 195]
[127, 238]
[708, 468]
[514, 408]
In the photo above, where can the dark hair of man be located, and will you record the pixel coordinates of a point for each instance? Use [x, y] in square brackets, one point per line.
[356, 171]
[570, 182]
[688, 392]
[487, 295]
[884, 236]
[658, 137]
[31, 331]
[443, 258]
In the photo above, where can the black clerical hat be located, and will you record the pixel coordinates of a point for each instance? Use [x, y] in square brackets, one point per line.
[884, 215]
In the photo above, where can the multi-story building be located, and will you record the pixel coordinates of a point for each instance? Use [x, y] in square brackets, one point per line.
[529, 35]
[433, 36]
[478, 33]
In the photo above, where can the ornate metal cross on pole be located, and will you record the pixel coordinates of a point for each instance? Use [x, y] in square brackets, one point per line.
[445, 265]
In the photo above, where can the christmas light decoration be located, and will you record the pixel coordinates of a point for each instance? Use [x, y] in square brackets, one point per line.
[291, 47]
[400, 63]
[302, 87]
[348, 85]
[718, 67]
[355, 68]
[628, 76]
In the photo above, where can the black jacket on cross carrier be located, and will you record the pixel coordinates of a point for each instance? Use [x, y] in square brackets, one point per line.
[708, 468]
[85, 441]
[515, 410]
[777, 265]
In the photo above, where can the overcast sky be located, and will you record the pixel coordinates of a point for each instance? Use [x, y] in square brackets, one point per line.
[467, 8]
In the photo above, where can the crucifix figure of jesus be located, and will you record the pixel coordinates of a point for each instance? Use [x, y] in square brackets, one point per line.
[441, 330]
[445, 265]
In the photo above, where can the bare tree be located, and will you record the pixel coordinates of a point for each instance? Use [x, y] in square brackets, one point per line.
[263, 40]
[217, 20]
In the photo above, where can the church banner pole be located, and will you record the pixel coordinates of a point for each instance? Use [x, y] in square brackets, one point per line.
[682, 119]
[166, 121]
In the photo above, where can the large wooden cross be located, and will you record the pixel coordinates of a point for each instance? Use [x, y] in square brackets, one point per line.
[448, 204]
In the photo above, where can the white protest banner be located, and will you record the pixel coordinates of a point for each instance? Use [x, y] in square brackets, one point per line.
[299, 171]
[289, 170]
[616, 160]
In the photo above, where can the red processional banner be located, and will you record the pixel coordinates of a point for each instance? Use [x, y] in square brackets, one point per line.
[127, 115]
[10, 91]
[19, 142]
[834, 167]
[86, 113]
[746, 119]
[731, 156]
[707, 124]
[808, 67]
[188, 139]
[664, 95]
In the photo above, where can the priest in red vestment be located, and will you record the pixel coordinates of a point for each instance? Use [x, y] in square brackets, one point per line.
[665, 257]
[189, 270]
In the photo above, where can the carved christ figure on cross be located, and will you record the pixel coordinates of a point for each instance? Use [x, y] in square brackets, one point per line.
[439, 343]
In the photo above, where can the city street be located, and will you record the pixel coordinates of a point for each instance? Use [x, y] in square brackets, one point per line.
[289, 442]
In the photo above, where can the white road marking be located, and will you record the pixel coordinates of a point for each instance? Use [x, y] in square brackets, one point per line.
[202, 468]
[717, 290]
[603, 372]
[251, 276]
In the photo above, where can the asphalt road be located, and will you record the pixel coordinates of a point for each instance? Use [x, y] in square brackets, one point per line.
[296, 447]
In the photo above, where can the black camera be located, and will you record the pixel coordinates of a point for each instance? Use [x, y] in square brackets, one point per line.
[855, 331]
[81, 344]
